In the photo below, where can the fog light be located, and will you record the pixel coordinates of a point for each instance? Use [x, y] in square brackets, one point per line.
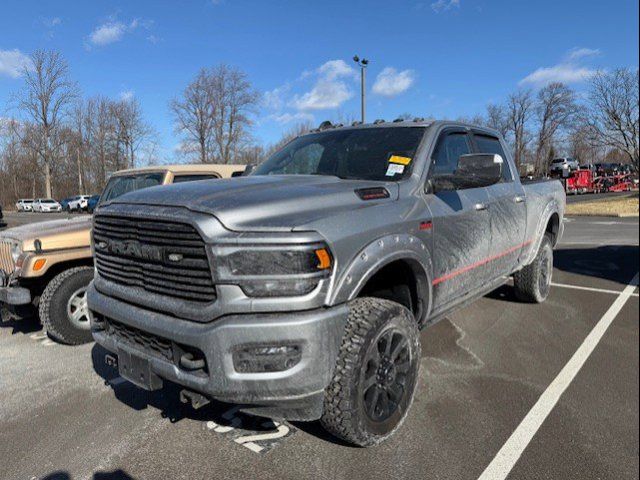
[266, 358]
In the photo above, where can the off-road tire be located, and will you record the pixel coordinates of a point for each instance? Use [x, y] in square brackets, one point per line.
[53, 306]
[528, 284]
[345, 414]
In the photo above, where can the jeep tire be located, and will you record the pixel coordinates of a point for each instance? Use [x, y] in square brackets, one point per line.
[375, 375]
[533, 283]
[62, 308]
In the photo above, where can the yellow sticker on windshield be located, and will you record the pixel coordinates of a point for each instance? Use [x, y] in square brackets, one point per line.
[399, 160]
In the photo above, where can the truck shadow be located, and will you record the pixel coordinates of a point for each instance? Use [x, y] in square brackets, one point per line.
[112, 475]
[167, 400]
[616, 263]
[19, 324]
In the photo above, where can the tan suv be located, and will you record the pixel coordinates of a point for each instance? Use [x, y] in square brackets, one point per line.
[49, 265]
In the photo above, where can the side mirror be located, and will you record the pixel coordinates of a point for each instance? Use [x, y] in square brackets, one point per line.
[480, 169]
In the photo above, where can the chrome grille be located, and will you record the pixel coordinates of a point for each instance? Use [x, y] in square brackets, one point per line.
[6, 260]
[166, 258]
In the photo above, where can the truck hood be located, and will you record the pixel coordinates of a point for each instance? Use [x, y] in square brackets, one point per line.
[258, 203]
[53, 235]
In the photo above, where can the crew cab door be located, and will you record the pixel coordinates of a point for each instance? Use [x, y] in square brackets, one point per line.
[507, 211]
[460, 223]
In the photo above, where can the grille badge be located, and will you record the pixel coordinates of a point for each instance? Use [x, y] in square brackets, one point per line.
[175, 257]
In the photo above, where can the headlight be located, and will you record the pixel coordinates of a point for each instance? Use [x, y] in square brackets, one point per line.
[273, 271]
[16, 251]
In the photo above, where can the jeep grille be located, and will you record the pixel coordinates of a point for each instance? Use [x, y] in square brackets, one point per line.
[6, 260]
[167, 258]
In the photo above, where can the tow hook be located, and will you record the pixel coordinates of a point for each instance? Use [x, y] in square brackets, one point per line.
[111, 360]
[195, 399]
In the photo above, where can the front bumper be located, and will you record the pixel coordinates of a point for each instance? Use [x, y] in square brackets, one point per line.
[15, 295]
[295, 393]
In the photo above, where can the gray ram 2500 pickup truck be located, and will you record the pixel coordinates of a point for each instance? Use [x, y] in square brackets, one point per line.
[299, 291]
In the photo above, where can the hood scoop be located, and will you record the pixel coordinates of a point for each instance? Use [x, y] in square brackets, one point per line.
[372, 193]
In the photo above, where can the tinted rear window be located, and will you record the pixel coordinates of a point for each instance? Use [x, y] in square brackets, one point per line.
[192, 178]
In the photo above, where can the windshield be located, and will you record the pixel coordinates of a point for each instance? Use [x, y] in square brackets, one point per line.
[48, 200]
[383, 153]
[128, 183]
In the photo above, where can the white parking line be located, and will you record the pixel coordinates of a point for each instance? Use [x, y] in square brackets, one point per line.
[589, 289]
[511, 451]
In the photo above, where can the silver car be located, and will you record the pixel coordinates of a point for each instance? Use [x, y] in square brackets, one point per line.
[24, 205]
[46, 205]
[560, 164]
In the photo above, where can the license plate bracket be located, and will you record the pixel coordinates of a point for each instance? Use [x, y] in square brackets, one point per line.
[137, 370]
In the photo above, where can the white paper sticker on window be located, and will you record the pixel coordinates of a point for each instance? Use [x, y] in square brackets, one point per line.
[394, 169]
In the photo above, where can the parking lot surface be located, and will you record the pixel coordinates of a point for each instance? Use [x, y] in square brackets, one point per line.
[513, 390]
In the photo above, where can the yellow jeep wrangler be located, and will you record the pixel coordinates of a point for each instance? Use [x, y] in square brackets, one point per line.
[48, 266]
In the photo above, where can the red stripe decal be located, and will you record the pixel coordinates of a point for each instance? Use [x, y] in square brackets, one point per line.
[426, 225]
[455, 273]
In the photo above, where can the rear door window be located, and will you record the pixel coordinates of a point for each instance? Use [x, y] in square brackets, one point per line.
[488, 144]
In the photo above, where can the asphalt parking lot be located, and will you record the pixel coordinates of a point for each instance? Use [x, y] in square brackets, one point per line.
[513, 390]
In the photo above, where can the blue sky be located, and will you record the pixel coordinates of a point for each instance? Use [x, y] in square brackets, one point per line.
[442, 58]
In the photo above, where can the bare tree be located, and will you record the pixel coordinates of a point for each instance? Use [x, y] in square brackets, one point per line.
[193, 114]
[519, 110]
[554, 108]
[582, 145]
[497, 118]
[48, 92]
[131, 128]
[234, 100]
[613, 111]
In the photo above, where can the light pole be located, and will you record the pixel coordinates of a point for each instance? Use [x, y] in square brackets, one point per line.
[362, 63]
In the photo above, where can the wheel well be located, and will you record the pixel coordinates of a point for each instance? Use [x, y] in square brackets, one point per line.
[553, 226]
[40, 283]
[402, 281]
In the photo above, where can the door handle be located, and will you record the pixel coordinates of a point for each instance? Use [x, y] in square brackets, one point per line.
[480, 206]
[518, 199]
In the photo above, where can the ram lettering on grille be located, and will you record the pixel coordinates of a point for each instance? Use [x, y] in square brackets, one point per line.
[166, 258]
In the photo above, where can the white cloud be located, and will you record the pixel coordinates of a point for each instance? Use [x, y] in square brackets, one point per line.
[391, 82]
[13, 62]
[579, 53]
[51, 22]
[292, 117]
[127, 95]
[114, 30]
[335, 69]
[564, 73]
[444, 5]
[274, 99]
[108, 33]
[569, 70]
[330, 90]
[324, 95]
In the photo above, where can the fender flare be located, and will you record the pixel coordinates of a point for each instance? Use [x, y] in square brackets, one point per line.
[378, 254]
[547, 213]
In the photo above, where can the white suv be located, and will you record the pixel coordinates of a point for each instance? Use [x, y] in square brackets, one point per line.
[559, 164]
[46, 205]
[24, 205]
[78, 202]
